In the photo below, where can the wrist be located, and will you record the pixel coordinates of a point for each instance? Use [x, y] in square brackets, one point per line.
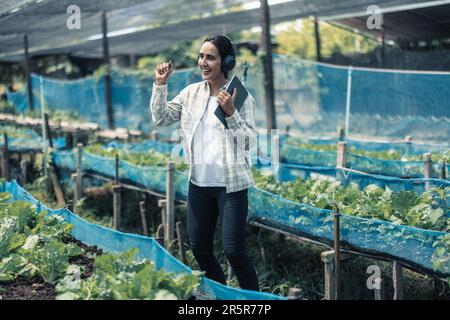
[160, 83]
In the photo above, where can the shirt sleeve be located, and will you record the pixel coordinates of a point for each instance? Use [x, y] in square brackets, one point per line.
[165, 113]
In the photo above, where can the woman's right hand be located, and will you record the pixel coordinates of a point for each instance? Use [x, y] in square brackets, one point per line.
[162, 72]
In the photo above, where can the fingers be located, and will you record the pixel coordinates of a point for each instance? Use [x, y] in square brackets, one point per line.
[165, 67]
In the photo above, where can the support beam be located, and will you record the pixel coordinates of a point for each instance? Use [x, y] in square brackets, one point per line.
[5, 158]
[328, 259]
[383, 43]
[180, 237]
[427, 168]
[295, 294]
[108, 94]
[443, 174]
[397, 278]
[317, 37]
[143, 213]
[337, 253]
[169, 234]
[117, 197]
[341, 160]
[27, 73]
[47, 128]
[266, 45]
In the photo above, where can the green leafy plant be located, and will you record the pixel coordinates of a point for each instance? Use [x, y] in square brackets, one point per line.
[119, 277]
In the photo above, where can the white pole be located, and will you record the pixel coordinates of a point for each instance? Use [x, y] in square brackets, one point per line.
[347, 102]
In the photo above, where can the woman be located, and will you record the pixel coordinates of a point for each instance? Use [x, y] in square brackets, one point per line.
[219, 161]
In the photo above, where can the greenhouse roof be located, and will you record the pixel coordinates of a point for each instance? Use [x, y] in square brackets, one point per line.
[143, 26]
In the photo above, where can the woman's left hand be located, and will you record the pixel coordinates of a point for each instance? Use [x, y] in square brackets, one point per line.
[226, 101]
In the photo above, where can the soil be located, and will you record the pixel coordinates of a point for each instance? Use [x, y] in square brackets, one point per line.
[36, 288]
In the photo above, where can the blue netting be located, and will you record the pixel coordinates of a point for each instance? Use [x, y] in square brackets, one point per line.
[115, 241]
[409, 244]
[310, 99]
[131, 94]
[142, 146]
[32, 144]
[403, 147]
[376, 236]
[396, 168]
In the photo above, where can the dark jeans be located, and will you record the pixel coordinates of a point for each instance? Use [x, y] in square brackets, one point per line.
[205, 205]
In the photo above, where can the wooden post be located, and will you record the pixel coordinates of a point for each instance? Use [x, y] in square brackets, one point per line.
[70, 205]
[397, 278]
[117, 205]
[275, 151]
[329, 276]
[427, 164]
[266, 46]
[143, 218]
[341, 160]
[108, 96]
[328, 258]
[57, 187]
[180, 237]
[341, 134]
[69, 141]
[47, 128]
[337, 261]
[160, 235]
[317, 37]
[5, 158]
[24, 170]
[170, 204]
[163, 204]
[117, 199]
[27, 73]
[408, 146]
[79, 174]
[383, 43]
[154, 135]
[443, 170]
[295, 294]
[116, 169]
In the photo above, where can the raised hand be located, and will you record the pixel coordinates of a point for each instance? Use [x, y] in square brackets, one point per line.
[162, 72]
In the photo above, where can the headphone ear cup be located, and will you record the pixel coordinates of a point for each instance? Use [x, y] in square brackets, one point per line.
[228, 63]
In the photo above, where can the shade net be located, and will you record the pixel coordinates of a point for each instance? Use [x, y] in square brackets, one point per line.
[310, 98]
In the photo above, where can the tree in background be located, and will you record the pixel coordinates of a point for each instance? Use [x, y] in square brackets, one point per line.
[298, 40]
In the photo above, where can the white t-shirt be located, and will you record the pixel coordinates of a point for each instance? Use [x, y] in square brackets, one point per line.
[208, 169]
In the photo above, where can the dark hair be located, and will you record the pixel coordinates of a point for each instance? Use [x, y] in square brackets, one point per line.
[224, 45]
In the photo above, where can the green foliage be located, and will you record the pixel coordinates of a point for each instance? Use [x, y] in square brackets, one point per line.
[384, 155]
[149, 158]
[441, 257]
[404, 207]
[31, 243]
[119, 277]
[7, 107]
[298, 40]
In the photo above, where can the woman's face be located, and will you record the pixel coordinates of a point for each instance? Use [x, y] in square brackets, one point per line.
[209, 62]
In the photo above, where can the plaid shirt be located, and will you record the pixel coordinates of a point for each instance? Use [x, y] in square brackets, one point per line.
[237, 141]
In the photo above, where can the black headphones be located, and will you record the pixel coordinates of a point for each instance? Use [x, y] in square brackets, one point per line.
[229, 61]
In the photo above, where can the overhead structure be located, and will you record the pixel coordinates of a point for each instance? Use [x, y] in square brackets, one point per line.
[143, 27]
